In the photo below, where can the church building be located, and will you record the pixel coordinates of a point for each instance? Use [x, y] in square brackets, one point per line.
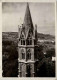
[27, 47]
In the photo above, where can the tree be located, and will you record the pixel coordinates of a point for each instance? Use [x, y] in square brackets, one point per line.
[10, 64]
[50, 53]
[40, 53]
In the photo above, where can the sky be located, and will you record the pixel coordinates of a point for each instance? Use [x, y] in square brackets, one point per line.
[43, 14]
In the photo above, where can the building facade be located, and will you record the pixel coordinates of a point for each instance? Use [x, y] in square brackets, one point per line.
[27, 47]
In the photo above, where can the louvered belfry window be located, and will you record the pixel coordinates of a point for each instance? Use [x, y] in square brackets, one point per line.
[22, 42]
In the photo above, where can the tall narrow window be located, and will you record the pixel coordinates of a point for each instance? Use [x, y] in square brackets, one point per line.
[23, 55]
[29, 55]
[28, 71]
[29, 42]
[22, 42]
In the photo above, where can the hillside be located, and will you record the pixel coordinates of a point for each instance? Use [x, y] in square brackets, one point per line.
[14, 36]
[45, 36]
[48, 41]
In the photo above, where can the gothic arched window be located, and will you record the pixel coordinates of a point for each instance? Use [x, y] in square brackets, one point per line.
[28, 54]
[23, 54]
[22, 42]
[29, 42]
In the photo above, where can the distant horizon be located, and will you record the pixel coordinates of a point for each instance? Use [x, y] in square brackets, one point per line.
[37, 32]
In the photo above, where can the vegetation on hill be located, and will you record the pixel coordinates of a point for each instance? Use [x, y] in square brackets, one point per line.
[14, 35]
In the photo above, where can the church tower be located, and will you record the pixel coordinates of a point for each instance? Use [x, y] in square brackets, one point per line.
[27, 46]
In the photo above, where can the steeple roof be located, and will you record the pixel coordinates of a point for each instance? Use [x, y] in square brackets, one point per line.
[27, 24]
[27, 19]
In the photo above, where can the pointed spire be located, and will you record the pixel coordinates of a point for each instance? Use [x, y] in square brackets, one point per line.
[27, 19]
